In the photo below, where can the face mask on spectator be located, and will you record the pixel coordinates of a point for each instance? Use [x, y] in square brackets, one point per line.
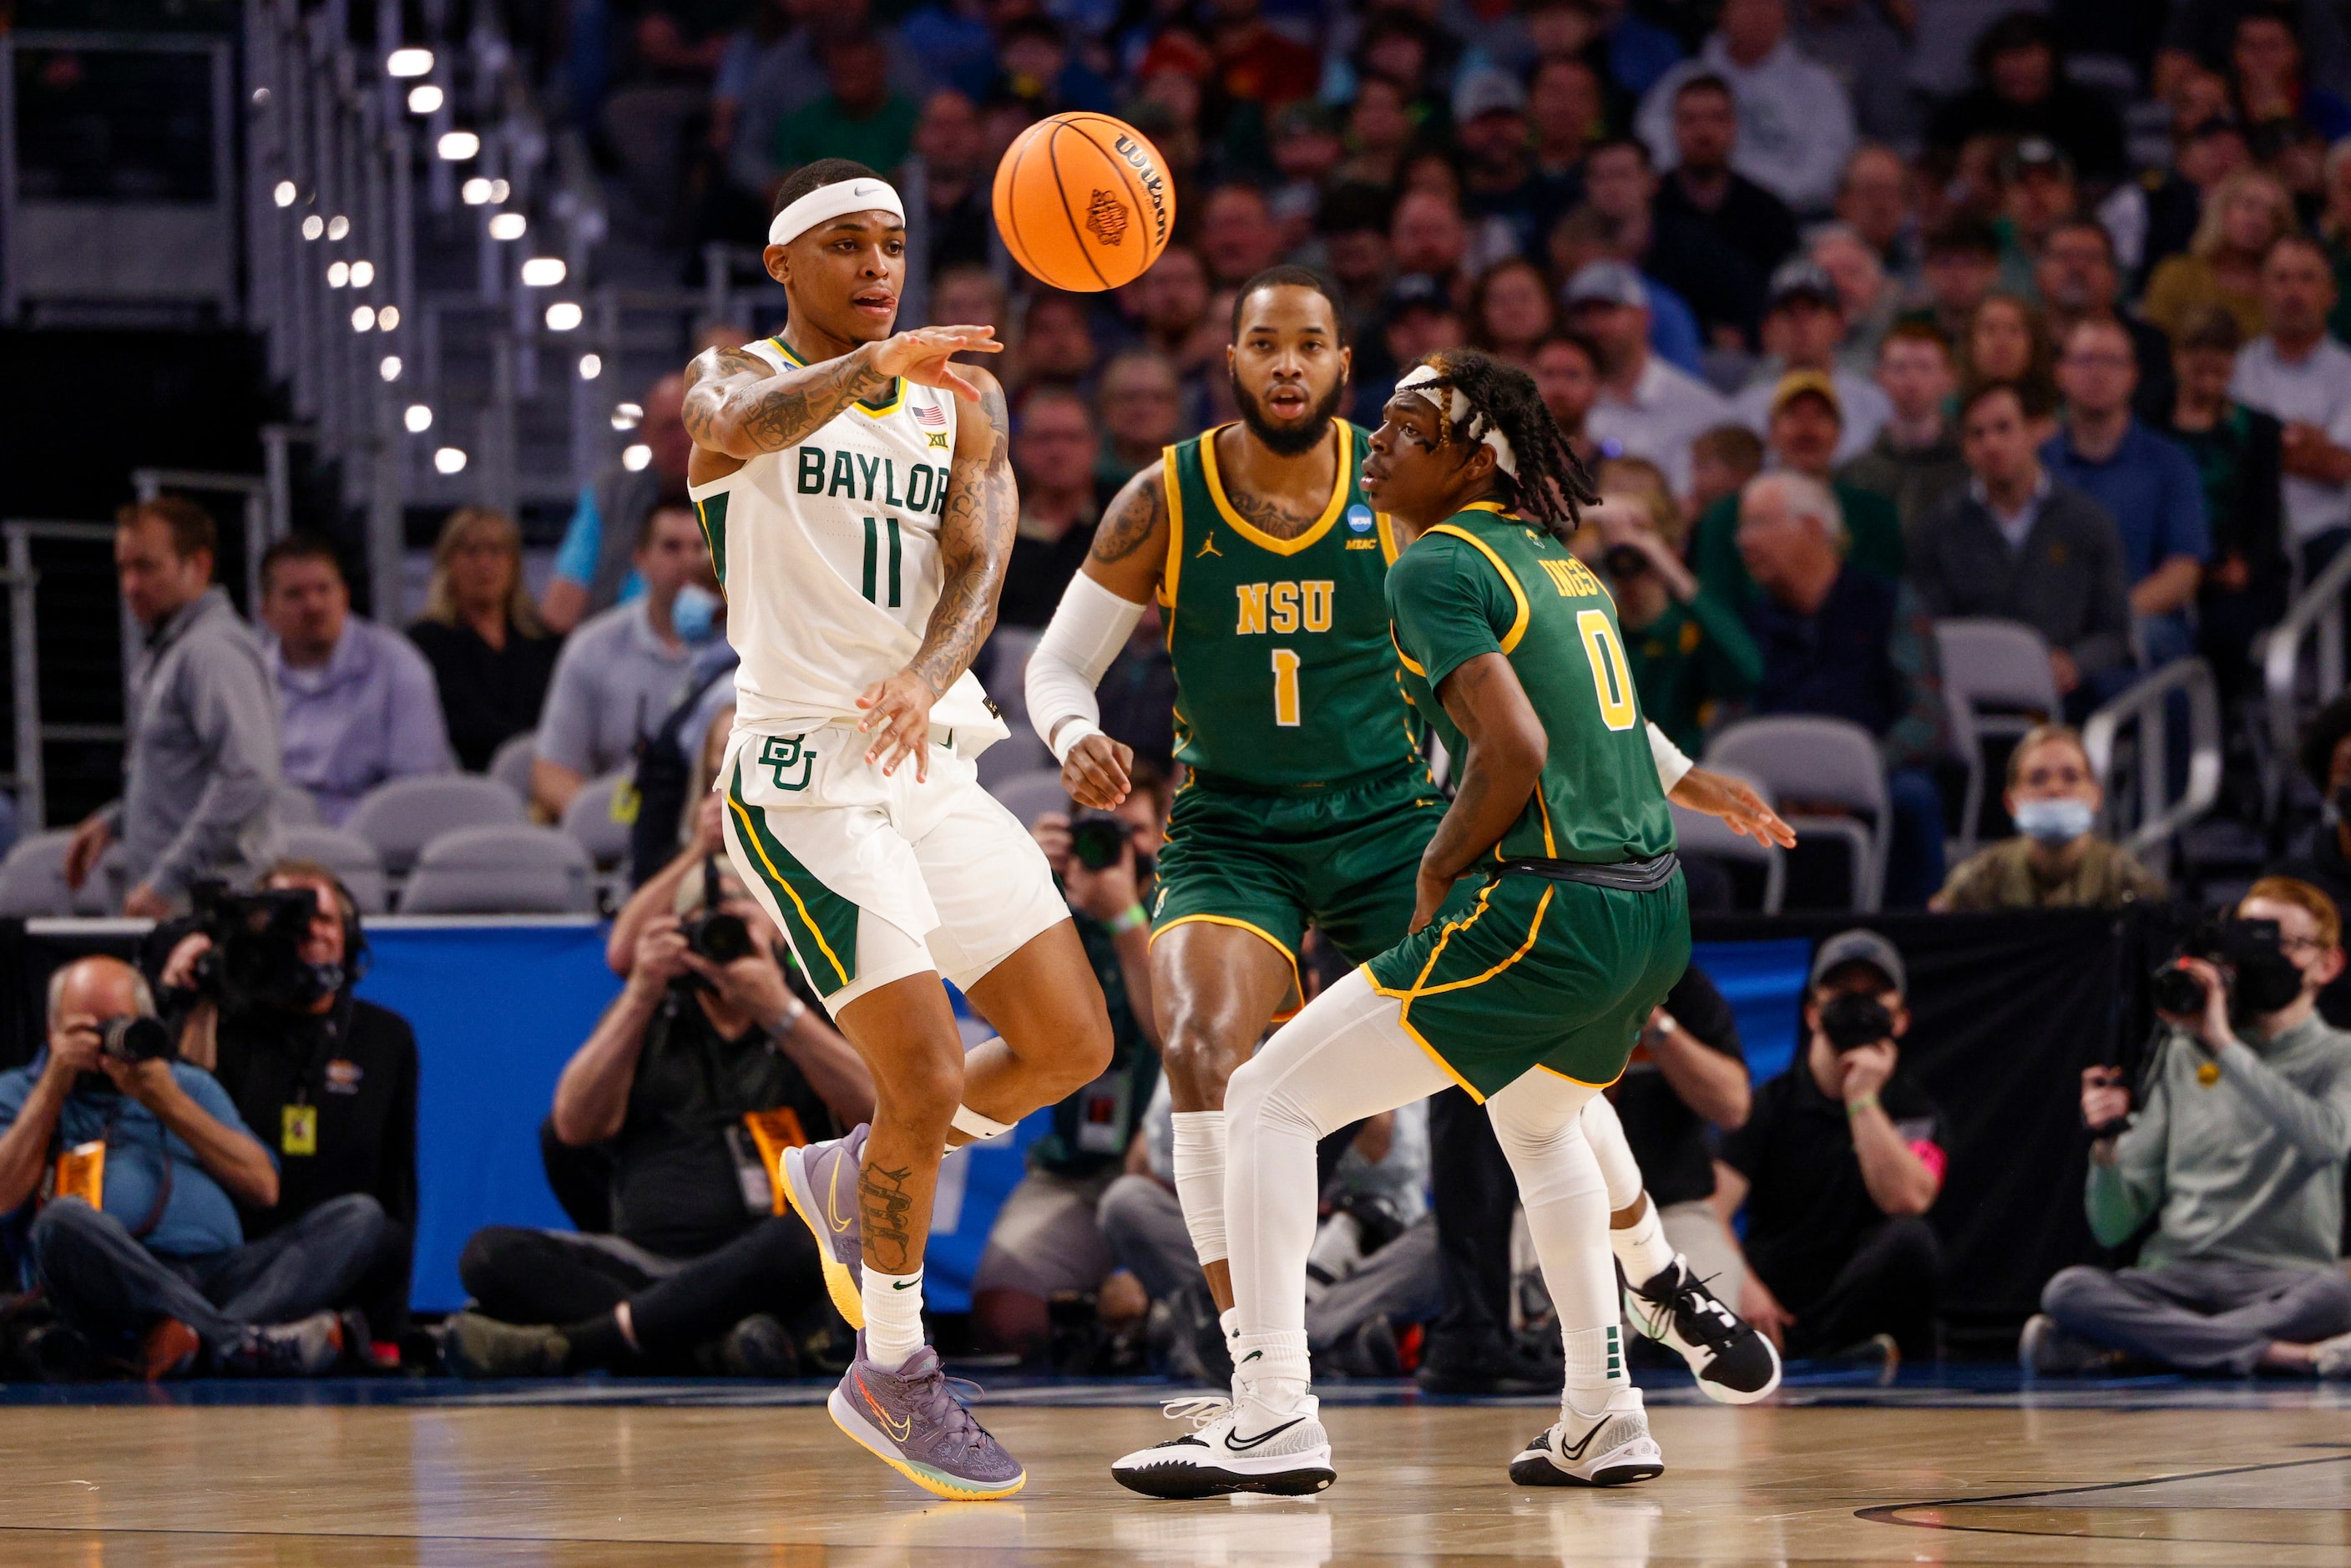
[2054, 823]
[693, 612]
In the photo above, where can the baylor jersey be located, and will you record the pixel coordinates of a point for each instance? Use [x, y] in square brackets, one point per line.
[1483, 581]
[1285, 677]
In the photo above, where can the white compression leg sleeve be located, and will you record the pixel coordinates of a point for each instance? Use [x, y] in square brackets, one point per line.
[1346, 1057]
[1537, 1121]
[1605, 1133]
[1200, 1180]
[1089, 628]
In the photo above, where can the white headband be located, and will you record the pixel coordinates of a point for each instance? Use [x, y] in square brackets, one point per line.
[1455, 409]
[833, 201]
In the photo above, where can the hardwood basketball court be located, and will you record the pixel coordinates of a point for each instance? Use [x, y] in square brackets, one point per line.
[1967, 1470]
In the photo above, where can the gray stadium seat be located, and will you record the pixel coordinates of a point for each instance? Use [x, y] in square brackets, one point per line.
[294, 807]
[1700, 834]
[402, 817]
[514, 870]
[511, 764]
[589, 819]
[32, 877]
[1996, 683]
[1809, 759]
[1029, 796]
[349, 856]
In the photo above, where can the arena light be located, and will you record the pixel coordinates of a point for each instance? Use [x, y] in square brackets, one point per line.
[500, 190]
[390, 368]
[425, 99]
[338, 274]
[388, 318]
[313, 227]
[450, 459]
[419, 418]
[409, 63]
[337, 227]
[363, 319]
[456, 146]
[363, 274]
[627, 415]
[634, 457]
[284, 194]
[475, 192]
[509, 225]
[563, 315]
[543, 272]
[591, 366]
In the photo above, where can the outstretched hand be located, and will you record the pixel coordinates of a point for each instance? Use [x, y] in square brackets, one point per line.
[924, 356]
[1737, 803]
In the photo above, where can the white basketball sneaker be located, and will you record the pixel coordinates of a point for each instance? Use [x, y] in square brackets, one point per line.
[1232, 1448]
[1605, 1450]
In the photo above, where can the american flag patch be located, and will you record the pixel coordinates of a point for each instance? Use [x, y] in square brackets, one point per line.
[932, 414]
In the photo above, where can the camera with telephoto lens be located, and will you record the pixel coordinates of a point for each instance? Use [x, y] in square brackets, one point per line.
[255, 956]
[1852, 1019]
[1624, 561]
[711, 931]
[134, 1039]
[1097, 839]
[2251, 956]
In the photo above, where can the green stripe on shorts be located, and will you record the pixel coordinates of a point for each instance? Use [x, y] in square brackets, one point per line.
[821, 924]
[711, 510]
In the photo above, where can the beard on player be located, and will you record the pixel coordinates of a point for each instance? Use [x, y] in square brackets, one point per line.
[1288, 425]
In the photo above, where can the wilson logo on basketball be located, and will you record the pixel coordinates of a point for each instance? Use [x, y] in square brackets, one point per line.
[1106, 217]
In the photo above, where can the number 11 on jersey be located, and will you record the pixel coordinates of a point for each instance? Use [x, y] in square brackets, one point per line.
[1285, 687]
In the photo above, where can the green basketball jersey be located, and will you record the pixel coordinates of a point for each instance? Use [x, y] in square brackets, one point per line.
[1482, 583]
[1285, 677]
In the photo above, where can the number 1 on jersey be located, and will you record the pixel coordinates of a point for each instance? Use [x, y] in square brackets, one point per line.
[872, 554]
[1285, 687]
[1612, 681]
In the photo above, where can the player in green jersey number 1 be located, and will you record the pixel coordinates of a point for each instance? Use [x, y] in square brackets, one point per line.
[1531, 997]
[1309, 803]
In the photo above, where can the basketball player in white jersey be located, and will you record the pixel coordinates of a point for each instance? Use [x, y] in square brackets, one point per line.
[859, 503]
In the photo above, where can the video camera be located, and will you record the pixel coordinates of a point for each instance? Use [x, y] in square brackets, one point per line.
[2251, 958]
[256, 958]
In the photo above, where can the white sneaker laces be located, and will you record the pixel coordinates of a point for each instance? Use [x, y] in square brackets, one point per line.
[1203, 1410]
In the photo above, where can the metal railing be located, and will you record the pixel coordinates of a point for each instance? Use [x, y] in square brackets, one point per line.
[31, 735]
[264, 525]
[2307, 638]
[2130, 743]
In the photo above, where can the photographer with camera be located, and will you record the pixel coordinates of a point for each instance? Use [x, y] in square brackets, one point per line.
[1048, 1240]
[138, 1164]
[263, 987]
[701, 1072]
[2233, 1143]
[1837, 1163]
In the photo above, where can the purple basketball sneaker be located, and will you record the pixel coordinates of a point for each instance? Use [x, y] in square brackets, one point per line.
[821, 1181]
[911, 1420]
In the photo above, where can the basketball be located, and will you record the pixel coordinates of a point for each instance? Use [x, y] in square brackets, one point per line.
[1083, 202]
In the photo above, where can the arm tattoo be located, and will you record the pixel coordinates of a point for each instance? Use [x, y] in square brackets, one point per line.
[883, 1210]
[739, 404]
[1133, 520]
[976, 531]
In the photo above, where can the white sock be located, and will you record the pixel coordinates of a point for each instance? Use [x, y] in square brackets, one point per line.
[1230, 1320]
[1642, 1246]
[1200, 1180]
[894, 1317]
[974, 1126]
[1271, 1370]
[1595, 1370]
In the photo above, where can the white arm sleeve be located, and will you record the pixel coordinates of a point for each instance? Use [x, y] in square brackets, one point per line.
[1091, 625]
[1671, 764]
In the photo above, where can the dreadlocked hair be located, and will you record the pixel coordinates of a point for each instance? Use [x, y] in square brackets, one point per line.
[1551, 486]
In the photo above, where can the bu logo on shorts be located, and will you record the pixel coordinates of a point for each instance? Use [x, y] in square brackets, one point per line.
[781, 753]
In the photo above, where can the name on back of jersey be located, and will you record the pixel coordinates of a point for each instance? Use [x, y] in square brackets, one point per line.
[856, 476]
[1282, 608]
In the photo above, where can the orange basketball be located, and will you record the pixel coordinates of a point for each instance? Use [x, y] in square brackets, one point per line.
[1084, 202]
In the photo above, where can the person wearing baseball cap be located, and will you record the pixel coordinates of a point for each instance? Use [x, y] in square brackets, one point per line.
[1803, 327]
[1647, 407]
[1837, 1163]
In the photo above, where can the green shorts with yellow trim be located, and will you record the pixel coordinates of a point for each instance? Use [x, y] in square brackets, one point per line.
[1538, 973]
[1342, 859]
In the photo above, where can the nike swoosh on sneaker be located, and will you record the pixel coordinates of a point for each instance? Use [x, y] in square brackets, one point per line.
[1240, 1445]
[1574, 1451]
[831, 1201]
[900, 1430]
